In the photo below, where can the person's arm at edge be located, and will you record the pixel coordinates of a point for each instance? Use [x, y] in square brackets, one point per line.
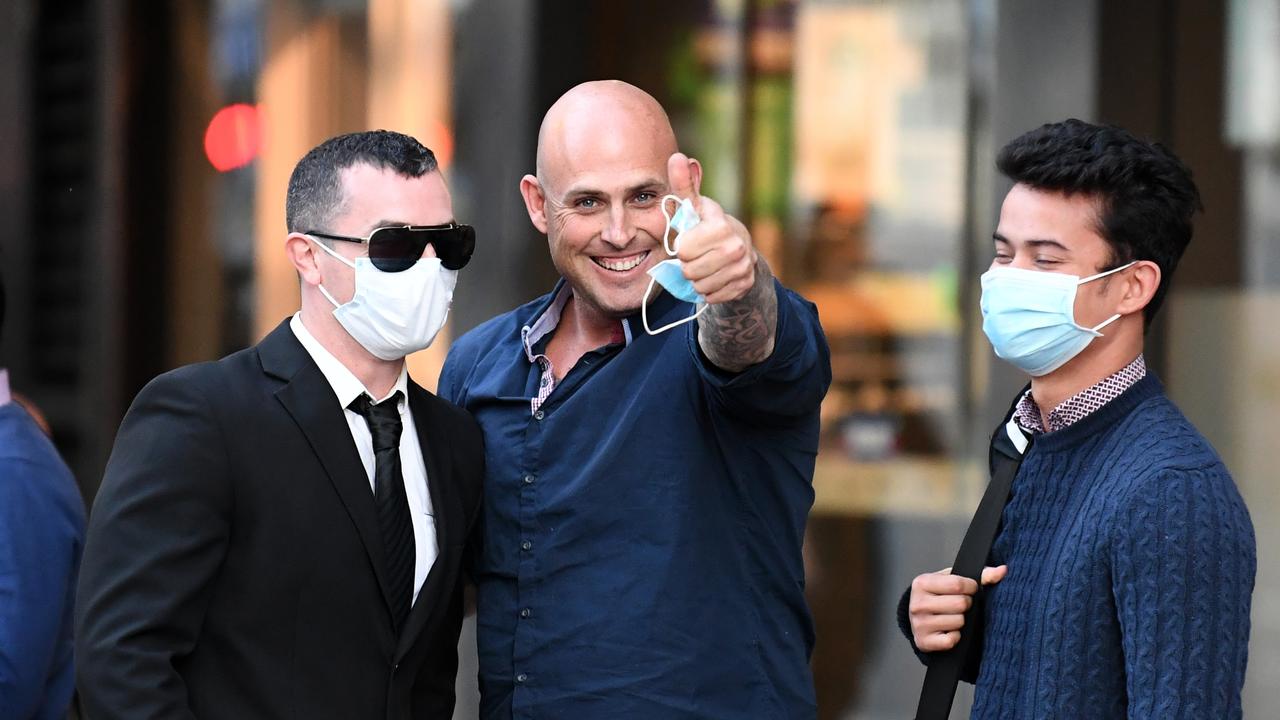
[31, 534]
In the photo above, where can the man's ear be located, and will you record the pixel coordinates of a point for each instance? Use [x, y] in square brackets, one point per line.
[535, 201]
[302, 253]
[1140, 283]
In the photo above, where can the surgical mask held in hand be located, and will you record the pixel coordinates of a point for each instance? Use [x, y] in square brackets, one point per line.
[1029, 317]
[394, 314]
[669, 273]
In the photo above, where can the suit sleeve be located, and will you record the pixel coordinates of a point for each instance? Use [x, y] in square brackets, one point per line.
[791, 382]
[157, 535]
[1183, 559]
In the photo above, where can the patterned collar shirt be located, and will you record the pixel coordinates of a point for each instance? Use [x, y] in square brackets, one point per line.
[1082, 404]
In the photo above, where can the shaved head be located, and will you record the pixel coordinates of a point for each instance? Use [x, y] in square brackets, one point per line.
[603, 152]
[601, 118]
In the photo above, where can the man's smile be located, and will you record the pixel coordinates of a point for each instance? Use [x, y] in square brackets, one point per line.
[621, 264]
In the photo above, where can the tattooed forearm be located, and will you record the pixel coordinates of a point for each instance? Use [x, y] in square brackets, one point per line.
[738, 334]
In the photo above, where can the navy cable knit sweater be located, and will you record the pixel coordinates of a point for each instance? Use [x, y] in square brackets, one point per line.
[1131, 565]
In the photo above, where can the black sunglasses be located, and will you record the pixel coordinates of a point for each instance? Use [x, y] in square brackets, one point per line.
[393, 249]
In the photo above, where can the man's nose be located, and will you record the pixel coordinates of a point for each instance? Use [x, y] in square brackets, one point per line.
[429, 251]
[618, 230]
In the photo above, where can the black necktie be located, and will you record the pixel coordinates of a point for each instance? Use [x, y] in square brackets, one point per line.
[389, 497]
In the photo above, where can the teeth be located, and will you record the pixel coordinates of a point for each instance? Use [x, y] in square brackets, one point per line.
[623, 264]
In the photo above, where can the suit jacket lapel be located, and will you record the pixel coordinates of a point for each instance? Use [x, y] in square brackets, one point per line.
[310, 400]
[436, 459]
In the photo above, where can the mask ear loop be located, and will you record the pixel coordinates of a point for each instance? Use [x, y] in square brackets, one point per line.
[644, 312]
[669, 243]
[1105, 273]
[1113, 318]
[340, 259]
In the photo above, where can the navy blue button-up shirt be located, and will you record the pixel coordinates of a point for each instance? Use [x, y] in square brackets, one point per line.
[640, 550]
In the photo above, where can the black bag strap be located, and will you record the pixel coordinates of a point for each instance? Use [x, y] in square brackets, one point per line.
[943, 674]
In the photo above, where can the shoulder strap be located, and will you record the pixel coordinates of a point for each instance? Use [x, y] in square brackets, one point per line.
[944, 670]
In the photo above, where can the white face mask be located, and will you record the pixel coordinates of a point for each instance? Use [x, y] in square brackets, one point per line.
[395, 314]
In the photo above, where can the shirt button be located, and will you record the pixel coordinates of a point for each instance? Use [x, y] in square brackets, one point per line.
[526, 545]
[525, 613]
[521, 678]
[528, 479]
[538, 415]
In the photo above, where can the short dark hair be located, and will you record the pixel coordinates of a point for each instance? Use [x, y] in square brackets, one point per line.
[1144, 193]
[315, 186]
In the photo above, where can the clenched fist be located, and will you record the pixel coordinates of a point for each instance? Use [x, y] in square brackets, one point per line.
[938, 604]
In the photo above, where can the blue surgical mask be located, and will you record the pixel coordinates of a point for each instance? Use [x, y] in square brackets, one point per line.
[670, 273]
[1029, 317]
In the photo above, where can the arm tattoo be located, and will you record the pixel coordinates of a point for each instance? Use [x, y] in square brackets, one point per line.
[736, 335]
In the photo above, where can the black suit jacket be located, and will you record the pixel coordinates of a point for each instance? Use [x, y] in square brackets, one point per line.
[234, 568]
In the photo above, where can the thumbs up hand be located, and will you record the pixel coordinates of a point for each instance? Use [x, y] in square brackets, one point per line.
[717, 255]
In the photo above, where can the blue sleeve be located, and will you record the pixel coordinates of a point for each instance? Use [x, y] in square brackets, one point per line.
[792, 381]
[1183, 563]
[452, 373]
[39, 552]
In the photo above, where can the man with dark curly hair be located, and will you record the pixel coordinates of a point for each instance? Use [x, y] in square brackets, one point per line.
[1120, 578]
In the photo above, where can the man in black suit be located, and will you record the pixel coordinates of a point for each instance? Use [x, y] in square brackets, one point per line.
[279, 533]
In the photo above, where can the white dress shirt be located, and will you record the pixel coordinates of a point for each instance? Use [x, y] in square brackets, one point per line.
[347, 387]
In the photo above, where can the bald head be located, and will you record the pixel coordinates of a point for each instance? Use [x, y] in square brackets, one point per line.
[602, 120]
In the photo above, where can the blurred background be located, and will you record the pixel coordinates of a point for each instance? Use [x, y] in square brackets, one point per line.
[147, 145]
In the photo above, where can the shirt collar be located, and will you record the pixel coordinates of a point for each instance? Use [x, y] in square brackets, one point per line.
[546, 321]
[1082, 404]
[548, 318]
[344, 383]
[5, 396]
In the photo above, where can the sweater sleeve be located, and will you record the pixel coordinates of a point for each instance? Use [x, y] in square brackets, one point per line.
[1183, 561]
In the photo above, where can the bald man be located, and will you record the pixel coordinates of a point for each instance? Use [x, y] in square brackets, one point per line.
[646, 493]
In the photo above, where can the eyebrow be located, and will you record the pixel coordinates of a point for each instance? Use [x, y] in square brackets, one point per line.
[650, 184]
[1034, 243]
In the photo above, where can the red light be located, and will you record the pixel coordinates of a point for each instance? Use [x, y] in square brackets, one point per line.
[440, 140]
[234, 137]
